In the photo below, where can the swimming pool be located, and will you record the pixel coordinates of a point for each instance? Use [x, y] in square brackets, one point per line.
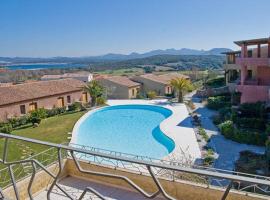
[132, 129]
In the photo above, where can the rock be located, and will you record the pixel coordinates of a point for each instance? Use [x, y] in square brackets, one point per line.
[36, 125]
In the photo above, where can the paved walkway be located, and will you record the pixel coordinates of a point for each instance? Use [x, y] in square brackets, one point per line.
[75, 187]
[178, 127]
[227, 150]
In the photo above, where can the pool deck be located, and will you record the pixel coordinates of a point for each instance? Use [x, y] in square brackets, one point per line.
[178, 127]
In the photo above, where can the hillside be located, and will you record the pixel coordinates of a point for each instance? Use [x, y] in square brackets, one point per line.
[174, 61]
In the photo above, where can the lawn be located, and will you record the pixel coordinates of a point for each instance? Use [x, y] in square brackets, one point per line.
[120, 72]
[54, 129]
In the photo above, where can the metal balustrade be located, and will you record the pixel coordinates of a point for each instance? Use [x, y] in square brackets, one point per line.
[156, 169]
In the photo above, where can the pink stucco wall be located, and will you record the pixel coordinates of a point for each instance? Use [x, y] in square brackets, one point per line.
[253, 93]
[263, 74]
[13, 110]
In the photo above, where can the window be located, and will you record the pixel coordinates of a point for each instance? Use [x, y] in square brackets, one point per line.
[249, 74]
[22, 109]
[168, 90]
[133, 92]
[32, 106]
[250, 53]
[68, 99]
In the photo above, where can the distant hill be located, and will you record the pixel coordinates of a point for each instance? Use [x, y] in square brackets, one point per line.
[179, 62]
[183, 51]
[114, 57]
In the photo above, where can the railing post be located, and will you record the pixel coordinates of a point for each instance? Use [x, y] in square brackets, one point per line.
[13, 182]
[5, 152]
[227, 190]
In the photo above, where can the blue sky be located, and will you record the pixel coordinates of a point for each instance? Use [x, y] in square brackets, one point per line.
[93, 27]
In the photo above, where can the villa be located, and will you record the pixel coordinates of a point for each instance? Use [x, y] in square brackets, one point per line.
[20, 99]
[158, 83]
[120, 87]
[247, 71]
[85, 77]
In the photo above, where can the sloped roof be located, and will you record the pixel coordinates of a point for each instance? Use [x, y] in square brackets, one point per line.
[122, 80]
[253, 41]
[34, 90]
[164, 78]
[66, 75]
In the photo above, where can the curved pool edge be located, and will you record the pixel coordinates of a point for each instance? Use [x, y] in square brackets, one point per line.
[184, 137]
[187, 141]
[90, 112]
[78, 123]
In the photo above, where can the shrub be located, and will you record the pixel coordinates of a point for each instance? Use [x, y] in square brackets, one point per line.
[39, 113]
[208, 160]
[236, 98]
[218, 102]
[227, 129]
[151, 94]
[203, 133]
[267, 149]
[217, 119]
[6, 128]
[13, 122]
[254, 110]
[255, 123]
[76, 106]
[101, 101]
[216, 82]
[249, 137]
[23, 120]
[55, 111]
[242, 136]
[35, 120]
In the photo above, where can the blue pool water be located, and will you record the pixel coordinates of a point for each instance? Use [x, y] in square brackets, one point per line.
[132, 129]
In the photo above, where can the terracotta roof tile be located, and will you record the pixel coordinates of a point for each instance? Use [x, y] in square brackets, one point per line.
[122, 80]
[164, 78]
[34, 90]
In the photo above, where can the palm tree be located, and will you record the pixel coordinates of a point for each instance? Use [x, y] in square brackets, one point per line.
[181, 85]
[95, 90]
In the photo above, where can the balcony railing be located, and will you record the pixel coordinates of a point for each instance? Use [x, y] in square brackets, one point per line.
[156, 169]
[253, 61]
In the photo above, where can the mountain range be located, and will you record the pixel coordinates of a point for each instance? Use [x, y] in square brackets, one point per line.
[115, 57]
[183, 51]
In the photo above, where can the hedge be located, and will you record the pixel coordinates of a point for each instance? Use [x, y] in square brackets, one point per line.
[242, 136]
[218, 102]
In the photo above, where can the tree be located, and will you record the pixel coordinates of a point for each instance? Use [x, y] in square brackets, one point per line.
[181, 85]
[95, 90]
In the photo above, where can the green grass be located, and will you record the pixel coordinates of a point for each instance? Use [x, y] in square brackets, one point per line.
[54, 129]
[120, 72]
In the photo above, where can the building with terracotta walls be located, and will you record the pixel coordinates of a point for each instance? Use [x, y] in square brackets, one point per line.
[120, 87]
[248, 71]
[20, 99]
[158, 83]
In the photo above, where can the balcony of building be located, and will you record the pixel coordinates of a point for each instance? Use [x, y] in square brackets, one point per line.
[250, 61]
[231, 57]
[254, 52]
[80, 172]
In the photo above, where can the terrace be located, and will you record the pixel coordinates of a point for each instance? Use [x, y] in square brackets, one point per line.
[61, 172]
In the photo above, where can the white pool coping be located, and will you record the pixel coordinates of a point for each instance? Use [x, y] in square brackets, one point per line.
[186, 145]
